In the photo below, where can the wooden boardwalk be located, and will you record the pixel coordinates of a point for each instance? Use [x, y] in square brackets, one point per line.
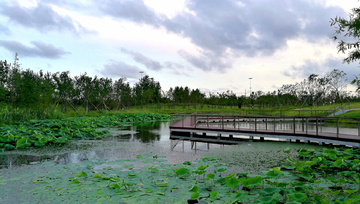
[199, 125]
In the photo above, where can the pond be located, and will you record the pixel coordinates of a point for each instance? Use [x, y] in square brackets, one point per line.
[126, 142]
[135, 139]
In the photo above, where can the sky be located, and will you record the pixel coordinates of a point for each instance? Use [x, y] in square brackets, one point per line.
[211, 45]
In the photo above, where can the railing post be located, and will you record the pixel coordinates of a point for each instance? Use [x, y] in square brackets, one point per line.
[255, 124]
[238, 122]
[358, 128]
[195, 120]
[234, 122]
[182, 121]
[337, 127]
[222, 117]
[266, 123]
[294, 125]
[317, 131]
[307, 124]
[207, 121]
[302, 123]
[274, 125]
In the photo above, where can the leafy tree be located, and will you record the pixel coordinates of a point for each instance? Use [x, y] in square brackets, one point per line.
[47, 89]
[337, 81]
[348, 28]
[122, 93]
[85, 87]
[4, 75]
[142, 86]
[64, 87]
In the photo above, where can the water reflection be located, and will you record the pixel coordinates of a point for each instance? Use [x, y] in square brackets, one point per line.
[126, 142]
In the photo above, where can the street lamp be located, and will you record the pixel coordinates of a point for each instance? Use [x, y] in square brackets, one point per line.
[250, 86]
[141, 72]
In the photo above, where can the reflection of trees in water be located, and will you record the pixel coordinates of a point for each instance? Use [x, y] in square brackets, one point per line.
[6, 161]
[148, 126]
[144, 134]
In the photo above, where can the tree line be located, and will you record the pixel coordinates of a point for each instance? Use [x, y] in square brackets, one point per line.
[28, 89]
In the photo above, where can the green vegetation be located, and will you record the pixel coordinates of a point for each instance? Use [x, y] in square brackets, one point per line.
[327, 176]
[37, 133]
[25, 95]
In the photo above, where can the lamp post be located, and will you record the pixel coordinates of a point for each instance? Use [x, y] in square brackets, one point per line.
[250, 86]
[141, 72]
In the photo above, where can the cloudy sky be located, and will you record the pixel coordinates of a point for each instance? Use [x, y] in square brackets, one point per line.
[207, 44]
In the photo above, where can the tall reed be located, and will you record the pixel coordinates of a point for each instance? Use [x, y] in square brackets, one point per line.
[10, 115]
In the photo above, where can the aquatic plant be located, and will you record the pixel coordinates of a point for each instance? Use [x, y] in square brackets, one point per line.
[41, 132]
[327, 176]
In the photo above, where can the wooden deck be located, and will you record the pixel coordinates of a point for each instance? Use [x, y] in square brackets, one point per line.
[191, 126]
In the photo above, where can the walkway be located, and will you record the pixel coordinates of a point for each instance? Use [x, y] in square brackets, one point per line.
[306, 129]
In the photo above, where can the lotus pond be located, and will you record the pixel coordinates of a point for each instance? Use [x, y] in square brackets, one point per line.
[134, 163]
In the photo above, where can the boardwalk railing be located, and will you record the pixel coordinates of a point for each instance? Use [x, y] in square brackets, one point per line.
[329, 127]
[281, 113]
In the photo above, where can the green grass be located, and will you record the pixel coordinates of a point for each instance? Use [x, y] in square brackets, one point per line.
[9, 115]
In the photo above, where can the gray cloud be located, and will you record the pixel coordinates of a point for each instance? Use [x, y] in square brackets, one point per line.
[140, 58]
[120, 69]
[208, 61]
[4, 30]
[151, 64]
[132, 10]
[252, 28]
[247, 27]
[41, 17]
[331, 63]
[173, 65]
[39, 49]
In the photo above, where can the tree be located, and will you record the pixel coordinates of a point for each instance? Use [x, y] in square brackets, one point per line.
[122, 93]
[64, 88]
[4, 75]
[337, 81]
[349, 29]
